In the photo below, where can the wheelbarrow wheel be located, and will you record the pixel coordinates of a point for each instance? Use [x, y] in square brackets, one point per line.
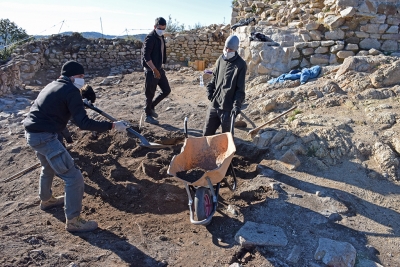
[203, 203]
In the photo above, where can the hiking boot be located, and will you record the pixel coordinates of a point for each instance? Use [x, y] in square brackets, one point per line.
[151, 120]
[78, 224]
[153, 113]
[52, 202]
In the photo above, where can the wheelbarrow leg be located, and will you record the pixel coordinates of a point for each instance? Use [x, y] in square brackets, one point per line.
[234, 183]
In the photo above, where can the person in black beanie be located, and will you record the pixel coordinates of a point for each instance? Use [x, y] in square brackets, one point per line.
[226, 90]
[55, 105]
[154, 54]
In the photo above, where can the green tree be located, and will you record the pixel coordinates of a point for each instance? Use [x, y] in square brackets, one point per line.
[9, 34]
[196, 26]
[174, 26]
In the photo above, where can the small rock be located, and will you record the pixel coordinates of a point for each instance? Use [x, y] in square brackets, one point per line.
[163, 263]
[275, 186]
[372, 250]
[295, 254]
[231, 209]
[367, 263]
[335, 217]
[16, 149]
[289, 160]
[256, 234]
[36, 250]
[133, 189]
[335, 253]
[163, 238]
[240, 124]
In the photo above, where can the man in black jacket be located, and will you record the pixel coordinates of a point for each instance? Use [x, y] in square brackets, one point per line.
[154, 54]
[55, 105]
[226, 90]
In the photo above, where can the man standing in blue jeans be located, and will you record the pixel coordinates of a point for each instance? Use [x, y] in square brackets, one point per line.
[55, 105]
[154, 54]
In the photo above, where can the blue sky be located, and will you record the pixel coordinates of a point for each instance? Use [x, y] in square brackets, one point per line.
[43, 17]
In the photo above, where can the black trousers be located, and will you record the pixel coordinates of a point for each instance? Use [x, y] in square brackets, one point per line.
[214, 119]
[150, 89]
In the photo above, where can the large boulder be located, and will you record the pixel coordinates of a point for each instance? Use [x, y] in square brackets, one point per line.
[386, 159]
[387, 76]
[335, 253]
[360, 64]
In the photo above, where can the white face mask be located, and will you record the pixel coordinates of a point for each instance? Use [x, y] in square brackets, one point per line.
[160, 32]
[228, 55]
[79, 82]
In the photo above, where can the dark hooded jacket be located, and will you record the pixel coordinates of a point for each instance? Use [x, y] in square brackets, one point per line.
[55, 105]
[226, 89]
[151, 50]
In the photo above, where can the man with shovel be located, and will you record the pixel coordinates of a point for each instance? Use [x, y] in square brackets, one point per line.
[226, 90]
[55, 105]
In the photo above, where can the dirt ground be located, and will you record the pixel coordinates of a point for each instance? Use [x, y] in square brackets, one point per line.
[143, 212]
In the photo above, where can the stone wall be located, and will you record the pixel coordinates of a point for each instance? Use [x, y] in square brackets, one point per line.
[317, 32]
[10, 77]
[203, 44]
[49, 54]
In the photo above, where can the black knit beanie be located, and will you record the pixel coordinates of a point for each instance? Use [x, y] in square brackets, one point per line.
[72, 68]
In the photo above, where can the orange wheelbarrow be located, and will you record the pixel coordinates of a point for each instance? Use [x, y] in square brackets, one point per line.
[209, 158]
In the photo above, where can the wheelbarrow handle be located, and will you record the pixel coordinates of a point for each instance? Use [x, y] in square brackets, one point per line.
[185, 130]
[232, 124]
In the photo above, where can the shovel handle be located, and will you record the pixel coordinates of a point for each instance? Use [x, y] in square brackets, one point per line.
[111, 118]
[255, 130]
[19, 174]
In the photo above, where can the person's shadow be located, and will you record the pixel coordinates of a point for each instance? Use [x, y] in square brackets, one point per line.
[302, 226]
[107, 240]
[127, 252]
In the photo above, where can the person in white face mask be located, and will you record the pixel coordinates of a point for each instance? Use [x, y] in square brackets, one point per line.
[154, 54]
[226, 88]
[59, 101]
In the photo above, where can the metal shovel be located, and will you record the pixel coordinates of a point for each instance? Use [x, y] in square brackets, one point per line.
[143, 140]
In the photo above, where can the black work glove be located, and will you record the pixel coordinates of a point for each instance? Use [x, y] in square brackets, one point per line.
[67, 135]
[210, 94]
[235, 111]
[88, 93]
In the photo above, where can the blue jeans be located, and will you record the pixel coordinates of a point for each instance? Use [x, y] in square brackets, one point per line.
[55, 159]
